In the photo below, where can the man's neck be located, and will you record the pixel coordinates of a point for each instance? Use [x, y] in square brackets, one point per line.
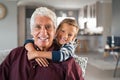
[41, 48]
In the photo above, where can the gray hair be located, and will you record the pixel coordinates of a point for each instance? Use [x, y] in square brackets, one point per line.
[43, 11]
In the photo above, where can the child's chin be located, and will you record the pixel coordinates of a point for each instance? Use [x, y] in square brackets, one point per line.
[61, 43]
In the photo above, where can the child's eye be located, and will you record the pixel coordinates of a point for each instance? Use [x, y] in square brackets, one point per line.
[69, 35]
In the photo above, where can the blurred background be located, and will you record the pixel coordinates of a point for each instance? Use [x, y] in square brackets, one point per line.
[97, 20]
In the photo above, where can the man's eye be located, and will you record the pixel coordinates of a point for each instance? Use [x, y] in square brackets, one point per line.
[62, 31]
[47, 26]
[37, 26]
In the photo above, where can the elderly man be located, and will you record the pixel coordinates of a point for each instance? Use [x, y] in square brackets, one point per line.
[17, 66]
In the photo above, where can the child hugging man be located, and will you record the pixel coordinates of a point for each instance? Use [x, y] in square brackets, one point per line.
[65, 37]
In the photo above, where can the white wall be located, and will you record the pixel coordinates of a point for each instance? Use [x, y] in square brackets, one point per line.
[105, 17]
[116, 18]
[8, 26]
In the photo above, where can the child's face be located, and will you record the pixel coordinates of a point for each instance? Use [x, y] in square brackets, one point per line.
[66, 33]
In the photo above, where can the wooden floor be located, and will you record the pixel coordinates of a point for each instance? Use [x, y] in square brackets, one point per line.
[94, 73]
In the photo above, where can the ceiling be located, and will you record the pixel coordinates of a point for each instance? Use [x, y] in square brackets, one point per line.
[61, 4]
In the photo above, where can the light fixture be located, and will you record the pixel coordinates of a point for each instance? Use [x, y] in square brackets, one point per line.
[2, 11]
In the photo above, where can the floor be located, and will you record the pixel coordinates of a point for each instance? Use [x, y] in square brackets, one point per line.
[97, 73]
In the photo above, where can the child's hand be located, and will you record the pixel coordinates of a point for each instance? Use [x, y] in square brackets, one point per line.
[42, 62]
[34, 55]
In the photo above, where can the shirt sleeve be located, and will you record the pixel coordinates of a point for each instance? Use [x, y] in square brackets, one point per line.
[29, 41]
[66, 51]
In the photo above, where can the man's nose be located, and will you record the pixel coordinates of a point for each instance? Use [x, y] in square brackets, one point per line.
[43, 32]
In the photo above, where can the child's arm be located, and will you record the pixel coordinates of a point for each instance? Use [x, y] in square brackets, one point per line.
[61, 55]
[30, 48]
[33, 53]
[65, 52]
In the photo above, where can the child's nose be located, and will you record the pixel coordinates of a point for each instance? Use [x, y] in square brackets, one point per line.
[65, 36]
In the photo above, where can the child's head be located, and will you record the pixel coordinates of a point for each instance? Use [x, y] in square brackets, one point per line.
[67, 31]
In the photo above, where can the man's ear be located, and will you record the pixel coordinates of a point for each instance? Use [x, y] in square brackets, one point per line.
[32, 33]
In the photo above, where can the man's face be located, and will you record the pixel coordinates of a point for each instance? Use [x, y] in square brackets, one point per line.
[43, 32]
[66, 33]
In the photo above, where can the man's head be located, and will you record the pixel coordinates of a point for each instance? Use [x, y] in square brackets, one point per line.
[67, 31]
[43, 25]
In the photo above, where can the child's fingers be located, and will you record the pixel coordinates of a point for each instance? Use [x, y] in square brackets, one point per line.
[37, 60]
[46, 61]
[42, 62]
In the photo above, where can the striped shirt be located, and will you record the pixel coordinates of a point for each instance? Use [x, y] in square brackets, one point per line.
[66, 51]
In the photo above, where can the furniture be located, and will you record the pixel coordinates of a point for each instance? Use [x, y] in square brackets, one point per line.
[82, 46]
[82, 61]
[3, 54]
[116, 56]
[113, 48]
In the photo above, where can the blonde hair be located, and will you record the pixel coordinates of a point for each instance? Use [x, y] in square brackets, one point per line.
[69, 21]
[43, 11]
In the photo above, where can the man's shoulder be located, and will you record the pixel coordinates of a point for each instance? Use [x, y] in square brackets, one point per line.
[14, 54]
[69, 61]
[70, 64]
[17, 50]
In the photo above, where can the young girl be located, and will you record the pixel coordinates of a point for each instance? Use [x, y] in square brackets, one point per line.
[65, 37]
